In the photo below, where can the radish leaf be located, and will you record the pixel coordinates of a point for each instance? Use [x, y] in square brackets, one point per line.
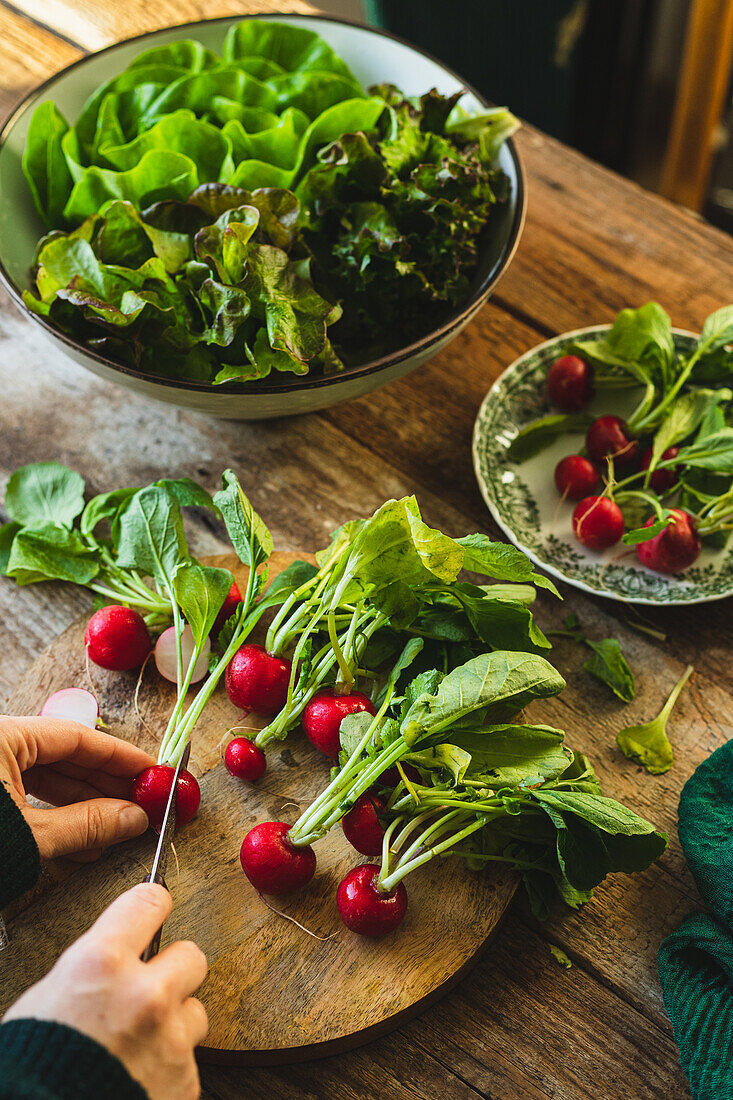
[249, 534]
[44, 491]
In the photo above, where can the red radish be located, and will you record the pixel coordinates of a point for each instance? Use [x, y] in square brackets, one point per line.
[72, 705]
[608, 437]
[391, 777]
[364, 908]
[324, 714]
[244, 759]
[674, 548]
[165, 655]
[570, 383]
[576, 477]
[598, 522]
[117, 638]
[256, 680]
[152, 787]
[271, 863]
[230, 605]
[662, 481]
[361, 825]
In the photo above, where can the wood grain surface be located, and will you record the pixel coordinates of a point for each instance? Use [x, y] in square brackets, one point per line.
[273, 993]
[519, 1026]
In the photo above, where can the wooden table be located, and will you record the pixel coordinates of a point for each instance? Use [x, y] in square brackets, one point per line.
[519, 1026]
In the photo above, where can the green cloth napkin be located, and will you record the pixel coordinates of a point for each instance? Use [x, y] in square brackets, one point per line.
[696, 962]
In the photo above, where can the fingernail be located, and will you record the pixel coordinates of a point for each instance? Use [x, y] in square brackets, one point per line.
[133, 820]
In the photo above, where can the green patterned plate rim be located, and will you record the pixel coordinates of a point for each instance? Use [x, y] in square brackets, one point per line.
[523, 500]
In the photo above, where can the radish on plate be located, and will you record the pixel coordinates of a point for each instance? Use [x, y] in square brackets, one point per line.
[598, 523]
[576, 477]
[665, 479]
[570, 383]
[673, 549]
[608, 437]
[72, 705]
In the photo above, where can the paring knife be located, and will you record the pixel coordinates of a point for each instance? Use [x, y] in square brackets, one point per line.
[160, 862]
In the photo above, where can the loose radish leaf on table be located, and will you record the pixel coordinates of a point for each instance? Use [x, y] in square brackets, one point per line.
[648, 744]
[607, 664]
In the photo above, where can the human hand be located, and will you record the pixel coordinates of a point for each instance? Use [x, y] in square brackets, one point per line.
[143, 1013]
[85, 774]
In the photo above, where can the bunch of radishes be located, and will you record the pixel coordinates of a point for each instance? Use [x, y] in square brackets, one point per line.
[437, 771]
[660, 480]
[598, 521]
[426, 762]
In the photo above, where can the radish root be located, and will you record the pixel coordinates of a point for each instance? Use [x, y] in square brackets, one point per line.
[138, 685]
[287, 916]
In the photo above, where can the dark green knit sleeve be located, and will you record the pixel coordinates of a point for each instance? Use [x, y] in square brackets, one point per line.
[44, 1061]
[20, 863]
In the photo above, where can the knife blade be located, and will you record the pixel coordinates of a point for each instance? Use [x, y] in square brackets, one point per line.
[162, 851]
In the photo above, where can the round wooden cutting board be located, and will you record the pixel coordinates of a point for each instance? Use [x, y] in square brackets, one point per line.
[273, 993]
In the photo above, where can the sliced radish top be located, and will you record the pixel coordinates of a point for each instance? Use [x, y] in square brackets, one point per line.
[72, 705]
[165, 655]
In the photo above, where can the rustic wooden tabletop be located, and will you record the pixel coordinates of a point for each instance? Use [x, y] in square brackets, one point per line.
[519, 1026]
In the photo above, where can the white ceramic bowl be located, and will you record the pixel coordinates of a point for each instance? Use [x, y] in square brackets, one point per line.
[374, 57]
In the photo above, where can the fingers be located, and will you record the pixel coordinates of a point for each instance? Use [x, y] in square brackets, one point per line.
[48, 740]
[83, 826]
[195, 1021]
[56, 789]
[133, 919]
[62, 783]
[181, 967]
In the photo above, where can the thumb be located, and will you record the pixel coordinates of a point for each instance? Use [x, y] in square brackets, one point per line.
[83, 826]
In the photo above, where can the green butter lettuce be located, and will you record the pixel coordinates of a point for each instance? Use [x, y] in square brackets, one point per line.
[211, 217]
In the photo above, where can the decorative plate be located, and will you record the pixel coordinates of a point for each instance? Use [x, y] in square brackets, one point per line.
[523, 499]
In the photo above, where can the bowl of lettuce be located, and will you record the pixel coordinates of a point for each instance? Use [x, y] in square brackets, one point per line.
[259, 216]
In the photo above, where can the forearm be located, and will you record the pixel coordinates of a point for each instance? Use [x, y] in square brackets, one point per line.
[20, 862]
[40, 1060]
